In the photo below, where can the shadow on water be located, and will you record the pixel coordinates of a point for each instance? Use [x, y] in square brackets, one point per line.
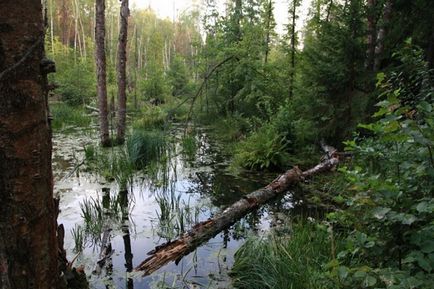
[112, 226]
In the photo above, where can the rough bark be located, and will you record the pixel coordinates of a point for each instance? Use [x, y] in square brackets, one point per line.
[28, 243]
[101, 71]
[202, 232]
[379, 49]
[121, 67]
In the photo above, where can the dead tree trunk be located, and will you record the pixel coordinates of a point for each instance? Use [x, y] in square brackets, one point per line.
[122, 62]
[101, 71]
[28, 243]
[202, 232]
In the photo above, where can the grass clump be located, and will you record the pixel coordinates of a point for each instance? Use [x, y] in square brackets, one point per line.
[113, 164]
[278, 262]
[189, 146]
[119, 164]
[144, 147]
[65, 115]
[263, 149]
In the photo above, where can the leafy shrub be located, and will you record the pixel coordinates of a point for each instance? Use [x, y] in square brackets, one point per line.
[390, 195]
[265, 148]
[150, 117]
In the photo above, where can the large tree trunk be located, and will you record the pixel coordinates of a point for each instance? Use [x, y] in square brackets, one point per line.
[202, 232]
[101, 71]
[28, 243]
[122, 62]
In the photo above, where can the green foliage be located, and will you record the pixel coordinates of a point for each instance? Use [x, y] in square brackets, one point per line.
[390, 193]
[277, 262]
[189, 146]
[263, 149]
[75, 76]
[150, 117]
[145, 147]
[65, 116]
[154, 86]
[178, 77]
[232, 128]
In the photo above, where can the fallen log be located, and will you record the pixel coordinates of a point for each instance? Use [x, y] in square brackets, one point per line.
[202, 232]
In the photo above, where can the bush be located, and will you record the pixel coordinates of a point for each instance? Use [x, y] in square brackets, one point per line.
[390, 193]
[150, 117]
[265, 148]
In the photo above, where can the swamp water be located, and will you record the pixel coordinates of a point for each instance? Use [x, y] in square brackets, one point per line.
[155, 209]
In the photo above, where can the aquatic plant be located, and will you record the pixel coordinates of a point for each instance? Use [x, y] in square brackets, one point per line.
[79, 238]
[189, 146]
[144, 147]
[175, 216]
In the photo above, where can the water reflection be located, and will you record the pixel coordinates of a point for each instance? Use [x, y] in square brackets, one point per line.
[190, 185]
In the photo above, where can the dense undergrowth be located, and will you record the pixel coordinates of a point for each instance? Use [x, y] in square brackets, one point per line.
[384, 198]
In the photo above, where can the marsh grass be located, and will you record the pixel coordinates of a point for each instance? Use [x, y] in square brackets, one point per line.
[65, 116]
[96, 215]
[175, 215]
[278, 262]
[78, 235]
[145, 147]
[189, 146]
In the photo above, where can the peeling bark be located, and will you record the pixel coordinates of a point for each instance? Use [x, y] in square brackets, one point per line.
[202, 232]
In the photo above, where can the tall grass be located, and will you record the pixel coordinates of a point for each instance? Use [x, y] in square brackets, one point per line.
[284, 262]
[144, 147]
[175, 216]
[143, 150]
[189, 146]
[65, 116]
